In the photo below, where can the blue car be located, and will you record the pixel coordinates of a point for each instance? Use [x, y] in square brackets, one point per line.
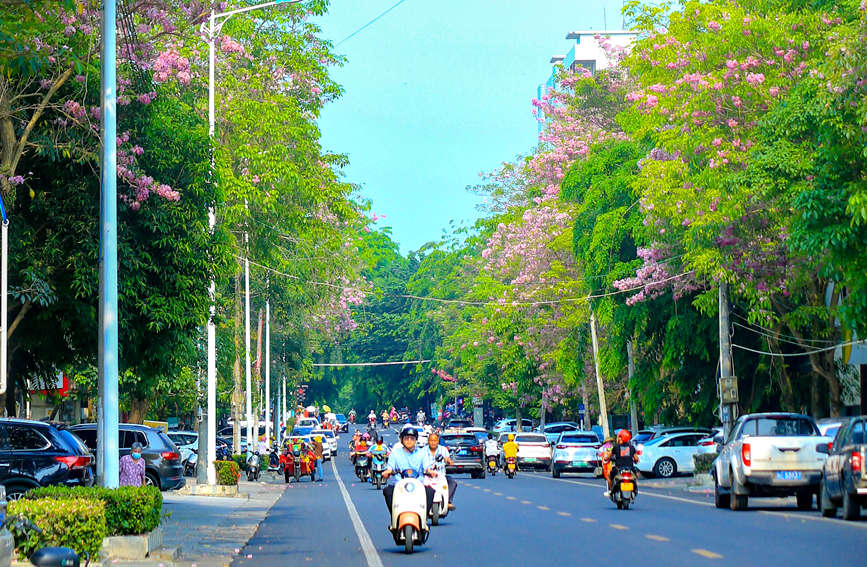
[552, 431]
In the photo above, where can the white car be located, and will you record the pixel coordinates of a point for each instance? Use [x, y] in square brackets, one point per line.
[328, 438]
[708, 444]
[666, 456]
[576, 451]
[533, 450]
[307, 422]
[185, 441]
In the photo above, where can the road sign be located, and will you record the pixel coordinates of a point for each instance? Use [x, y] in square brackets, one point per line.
[581, 408]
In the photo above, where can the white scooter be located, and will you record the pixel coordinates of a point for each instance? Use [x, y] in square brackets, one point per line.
[440, 508]
[409, 512]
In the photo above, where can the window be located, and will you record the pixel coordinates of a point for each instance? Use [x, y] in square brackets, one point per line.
[88, 436]
[23, 438]
[859, 436]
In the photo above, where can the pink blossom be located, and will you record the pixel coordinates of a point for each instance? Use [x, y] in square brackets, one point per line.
[713, 26]
[755, 79]
[774, 91]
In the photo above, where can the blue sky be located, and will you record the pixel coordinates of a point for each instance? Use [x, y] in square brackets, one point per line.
[439, 91]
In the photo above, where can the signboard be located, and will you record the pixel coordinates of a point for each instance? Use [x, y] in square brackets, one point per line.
[164, 425]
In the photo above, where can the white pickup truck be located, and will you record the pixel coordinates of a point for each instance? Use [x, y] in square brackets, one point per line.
[769, 454]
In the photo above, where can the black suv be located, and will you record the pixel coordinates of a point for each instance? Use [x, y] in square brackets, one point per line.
[467, 453]
[163, 467]
[35, 453]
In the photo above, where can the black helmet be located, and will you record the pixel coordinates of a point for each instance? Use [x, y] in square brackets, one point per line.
[408, 430]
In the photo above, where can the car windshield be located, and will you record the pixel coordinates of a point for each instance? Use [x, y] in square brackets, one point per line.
[452, 440]
[529, 438]
[460, 423]
[783, 426]
[579, 439]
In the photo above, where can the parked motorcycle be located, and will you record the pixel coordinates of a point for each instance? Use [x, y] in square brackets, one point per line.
[24, 529]
[492, 465]
[253, 467]
[511, 467]
[190, 463]
[409, 512]
[625, 489]
[377, 467]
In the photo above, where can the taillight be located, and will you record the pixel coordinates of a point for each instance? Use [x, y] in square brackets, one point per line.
[707, 443]
[170, 455]
[73, 461]
[626, 475]
[855, 461]
[476, 449]
[746, 456]
[561, 446]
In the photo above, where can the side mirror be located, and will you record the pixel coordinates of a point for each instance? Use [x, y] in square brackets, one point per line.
[824, 448]
[719, 447]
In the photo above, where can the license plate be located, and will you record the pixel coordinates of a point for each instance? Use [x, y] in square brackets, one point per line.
[463, 452]
[511, 466]
[578, 463]
[788, 475]
[627, 487]
[530, 460]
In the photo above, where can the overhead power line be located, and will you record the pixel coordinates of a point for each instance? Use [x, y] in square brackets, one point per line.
[370, 23]
[805, 353]
[342, 364]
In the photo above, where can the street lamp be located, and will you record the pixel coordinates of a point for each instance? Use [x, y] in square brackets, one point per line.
[4, 284]
[215, 24]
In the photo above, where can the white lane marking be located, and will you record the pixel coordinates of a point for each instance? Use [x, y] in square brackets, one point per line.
[367, 546]
[618, 526]
[786, 515]
[707, 554]
[655, 537]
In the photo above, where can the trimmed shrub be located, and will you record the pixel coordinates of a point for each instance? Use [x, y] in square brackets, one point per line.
[241, 461]
[228, 472]
[129, 510]
[78, 523]
[264, 462]
[703, 462]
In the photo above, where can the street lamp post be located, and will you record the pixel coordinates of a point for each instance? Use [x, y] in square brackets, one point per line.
[4, 285]
[215, 23]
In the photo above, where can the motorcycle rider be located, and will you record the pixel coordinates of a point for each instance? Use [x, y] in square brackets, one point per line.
[491, 447]
[406, 456]
[623, 455]
[420, 418]
[433, 443]
[371, 419]
[378, 449]
[385, 419]
[510, 449]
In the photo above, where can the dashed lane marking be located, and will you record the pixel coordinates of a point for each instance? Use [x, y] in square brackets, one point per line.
[486, 489]
[620, 527]
[567, 514]
[498, 493]
[707, 554]
[542, 507]
[525, 502]
[510, 498]
[655, 537]
[589, 520]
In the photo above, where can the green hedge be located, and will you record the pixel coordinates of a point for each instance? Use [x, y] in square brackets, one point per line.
[78, 523]
[703, 462]
[241, 461]
[227, 472]
[129, 510]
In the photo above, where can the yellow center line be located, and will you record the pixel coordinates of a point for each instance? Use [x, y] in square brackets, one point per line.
[542, 507]
[707, 554]
[655, 537]
[525, 502]
[618, 526]
[563, 514]
[589, 520]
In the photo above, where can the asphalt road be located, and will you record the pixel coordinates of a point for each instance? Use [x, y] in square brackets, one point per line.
[537, 520]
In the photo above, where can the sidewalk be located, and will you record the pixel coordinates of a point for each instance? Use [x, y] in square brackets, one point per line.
[698, 484]
[209, 531]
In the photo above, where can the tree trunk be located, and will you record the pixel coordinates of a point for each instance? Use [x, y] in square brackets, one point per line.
[237, 398]
[518, 418]
[787, 392]
[585, 399]
[138, 410]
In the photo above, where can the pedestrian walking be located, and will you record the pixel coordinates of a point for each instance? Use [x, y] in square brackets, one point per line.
[132, 467]
[317, 451]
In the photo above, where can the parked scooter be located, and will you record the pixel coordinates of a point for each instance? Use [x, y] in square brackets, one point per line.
[440, 508]
[377, 467]
[190, 463]
[492, 465]
[624, 489]
[511, 467]
[23, 528]
[409, 512]
[253, 467]
[274, 461]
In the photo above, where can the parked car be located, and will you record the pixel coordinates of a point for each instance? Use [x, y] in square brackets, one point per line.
[844, 479]
[642, 436]
[534, 451]
[329, 442]
[663, 431]
[34, 453]
[467, 453]
[576, 451]
[769, 454]
[509, 425]
[709, 443]
[829, 426]
[185, 441]
[342, 423]
[669, 455]
[553, 430]
[163, 467]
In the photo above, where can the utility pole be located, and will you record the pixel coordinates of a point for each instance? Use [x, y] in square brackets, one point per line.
[267, 369]
[285, 415]
[211, 446]
[249, 390]
[633, 407]
[4, 285]
[107, 412]
[728, 383]
[603, 408]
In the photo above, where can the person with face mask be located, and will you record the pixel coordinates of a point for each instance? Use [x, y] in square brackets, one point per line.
[132, 467]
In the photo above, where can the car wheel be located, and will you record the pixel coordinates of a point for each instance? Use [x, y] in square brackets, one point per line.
[720, 499]
[15, 492]
[825, 503]
[665, 467]
[555, 473]
[152, 480]
[851, 507]
[474, 475]
[805, 499]
[482, 473]
[738, 501]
